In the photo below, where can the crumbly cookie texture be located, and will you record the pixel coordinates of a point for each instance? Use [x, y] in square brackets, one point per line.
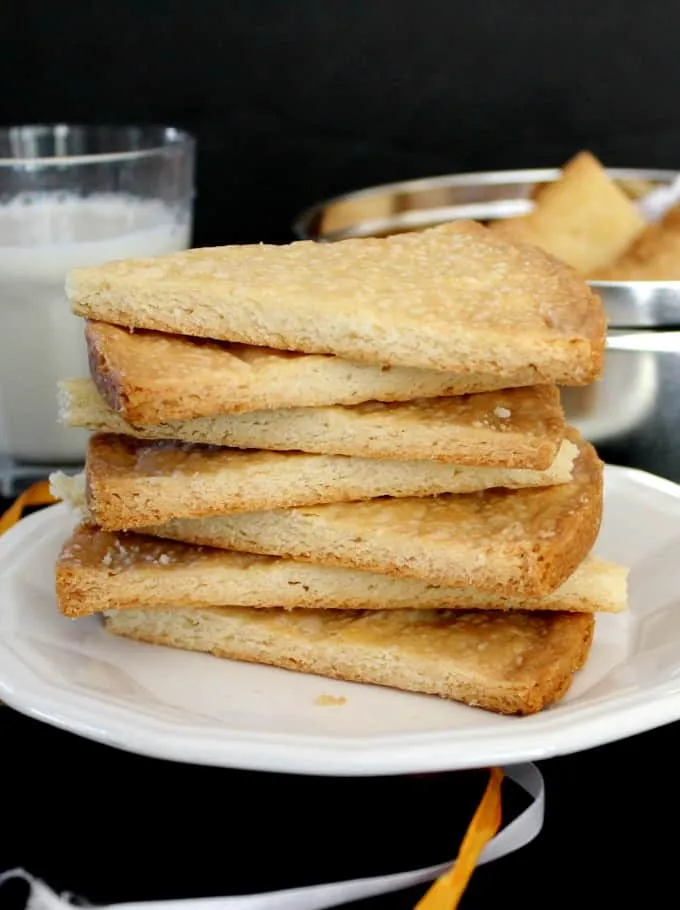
[454, 298]
[510, 663]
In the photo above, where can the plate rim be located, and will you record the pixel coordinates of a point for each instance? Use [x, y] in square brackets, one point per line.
[86, 715]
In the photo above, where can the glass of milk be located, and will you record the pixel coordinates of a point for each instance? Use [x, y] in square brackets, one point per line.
[72, 196]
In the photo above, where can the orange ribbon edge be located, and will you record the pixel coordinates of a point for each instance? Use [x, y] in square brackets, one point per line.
[446, 892]
[36, 495]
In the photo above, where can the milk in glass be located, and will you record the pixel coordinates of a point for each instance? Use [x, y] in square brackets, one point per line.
[42, 237]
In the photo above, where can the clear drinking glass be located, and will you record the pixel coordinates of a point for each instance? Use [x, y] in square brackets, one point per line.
[72, 196]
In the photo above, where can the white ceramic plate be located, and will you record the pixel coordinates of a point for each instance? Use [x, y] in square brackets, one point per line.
[196, 708]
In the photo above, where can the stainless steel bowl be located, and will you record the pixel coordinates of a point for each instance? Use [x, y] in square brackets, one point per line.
[642, 374]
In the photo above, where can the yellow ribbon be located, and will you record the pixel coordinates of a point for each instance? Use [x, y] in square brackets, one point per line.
[446, 892]
[36, 495]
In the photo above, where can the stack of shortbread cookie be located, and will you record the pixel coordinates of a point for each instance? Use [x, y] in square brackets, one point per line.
[345, 459]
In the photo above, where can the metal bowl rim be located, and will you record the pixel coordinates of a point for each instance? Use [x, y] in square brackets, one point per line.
[487, 178]
[481, 178]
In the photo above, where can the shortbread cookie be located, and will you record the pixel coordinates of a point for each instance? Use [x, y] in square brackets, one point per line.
[454, 298]
[511, 663]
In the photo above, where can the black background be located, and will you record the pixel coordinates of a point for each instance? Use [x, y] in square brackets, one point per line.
[292, 102]
[295, 100]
